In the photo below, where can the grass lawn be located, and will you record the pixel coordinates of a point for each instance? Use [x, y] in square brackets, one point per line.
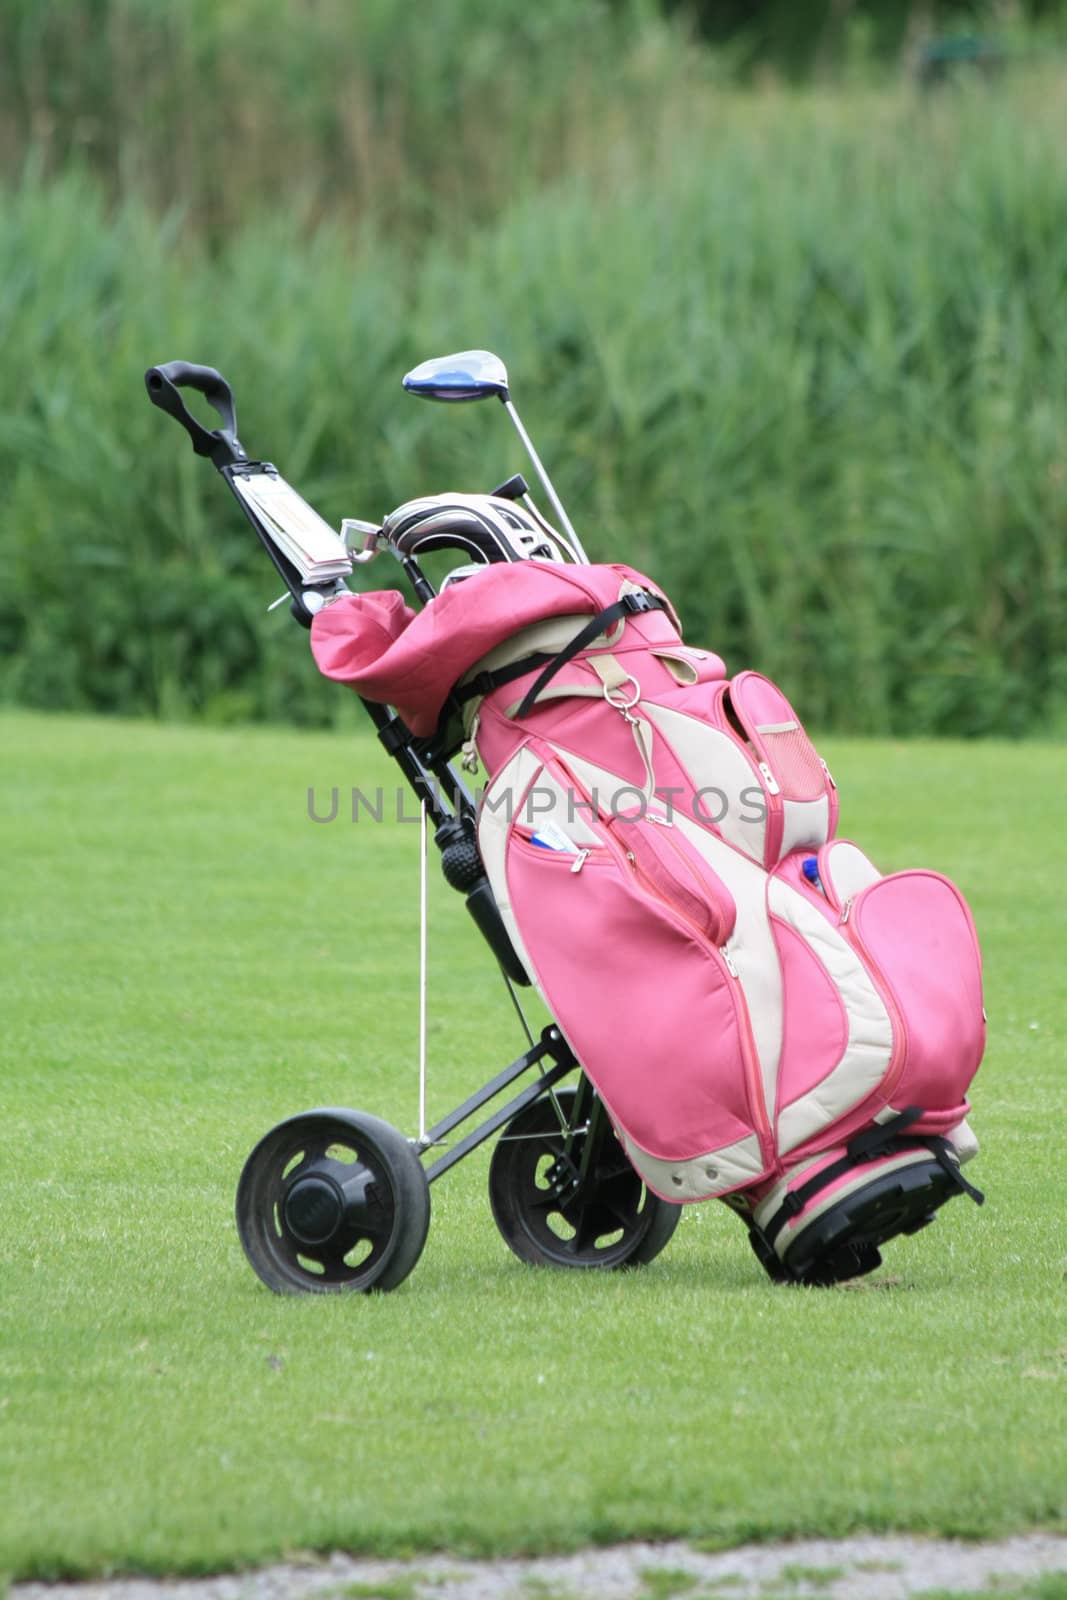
[187, 958]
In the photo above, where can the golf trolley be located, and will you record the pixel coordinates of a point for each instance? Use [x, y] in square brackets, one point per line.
[336, 1199]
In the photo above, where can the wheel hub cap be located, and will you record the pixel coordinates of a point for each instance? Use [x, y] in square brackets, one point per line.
[313, 1210]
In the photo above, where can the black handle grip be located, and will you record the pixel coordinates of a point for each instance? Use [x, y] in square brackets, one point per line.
[163, 383]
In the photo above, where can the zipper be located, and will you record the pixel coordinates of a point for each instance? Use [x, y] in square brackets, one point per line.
[691, 873]
[755, 752]
[688, 876]
[773, 809]
[574, 863]
[694, 876]
[749, 1054]
[770, 781]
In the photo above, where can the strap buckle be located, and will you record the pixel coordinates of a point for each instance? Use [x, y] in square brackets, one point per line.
[634, 604]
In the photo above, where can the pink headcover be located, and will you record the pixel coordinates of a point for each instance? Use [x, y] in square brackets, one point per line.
[410, 660]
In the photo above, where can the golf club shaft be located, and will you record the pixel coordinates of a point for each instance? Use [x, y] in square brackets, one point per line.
[565, 521]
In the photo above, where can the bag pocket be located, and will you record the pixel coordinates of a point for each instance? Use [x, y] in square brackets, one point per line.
[801, 793]
[915, 932]
[845, 871]
[665, 863]
[815, 1023]
[648, 1003]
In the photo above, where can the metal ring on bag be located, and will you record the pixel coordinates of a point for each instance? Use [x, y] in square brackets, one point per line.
[623, 705]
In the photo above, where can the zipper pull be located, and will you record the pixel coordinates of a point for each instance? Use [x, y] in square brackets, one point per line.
[663, 822]
[846, 910]
[579, 860]
[728, 958]
[770, 781]
[829, 774]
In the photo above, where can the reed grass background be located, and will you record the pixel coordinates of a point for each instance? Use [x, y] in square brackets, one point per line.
[796, 352]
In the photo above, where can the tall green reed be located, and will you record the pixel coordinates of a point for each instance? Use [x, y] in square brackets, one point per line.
[798, 356]
[416, 115]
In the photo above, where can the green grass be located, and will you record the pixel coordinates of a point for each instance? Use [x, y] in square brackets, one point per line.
[666, 1583]
[401, 1588]
[1051, 1587]
[796, 1575]
[186, 959]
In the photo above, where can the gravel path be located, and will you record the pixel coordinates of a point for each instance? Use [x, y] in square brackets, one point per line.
[851, 1569]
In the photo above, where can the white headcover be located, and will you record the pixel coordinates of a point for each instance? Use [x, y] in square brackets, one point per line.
[485, 526]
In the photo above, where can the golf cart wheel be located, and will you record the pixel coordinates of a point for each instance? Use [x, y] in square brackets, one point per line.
[549, 1214]
[330, 1201]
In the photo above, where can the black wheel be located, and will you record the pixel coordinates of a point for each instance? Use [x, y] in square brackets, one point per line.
[551, 1212]
[333, 1200]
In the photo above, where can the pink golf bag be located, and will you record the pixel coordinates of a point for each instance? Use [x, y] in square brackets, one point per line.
[746, 1009]
[767, 1018]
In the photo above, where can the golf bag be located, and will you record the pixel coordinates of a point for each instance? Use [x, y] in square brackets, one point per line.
[767, 1019]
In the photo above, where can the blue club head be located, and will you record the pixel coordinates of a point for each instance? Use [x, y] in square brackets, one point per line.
[468, 375]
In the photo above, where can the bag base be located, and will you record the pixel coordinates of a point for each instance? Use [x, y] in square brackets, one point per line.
[837, 1234]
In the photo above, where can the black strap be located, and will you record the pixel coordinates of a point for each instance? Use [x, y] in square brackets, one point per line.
[486, 682]
[765, 1252]
[882, 1139]
[942, 1152]
[631, 605]
[797, 1199]
[874, 1141]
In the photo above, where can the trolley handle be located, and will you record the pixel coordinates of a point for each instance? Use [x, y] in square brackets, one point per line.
[220, 445]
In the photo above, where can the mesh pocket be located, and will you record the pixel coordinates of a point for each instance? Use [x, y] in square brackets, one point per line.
[791, 757]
